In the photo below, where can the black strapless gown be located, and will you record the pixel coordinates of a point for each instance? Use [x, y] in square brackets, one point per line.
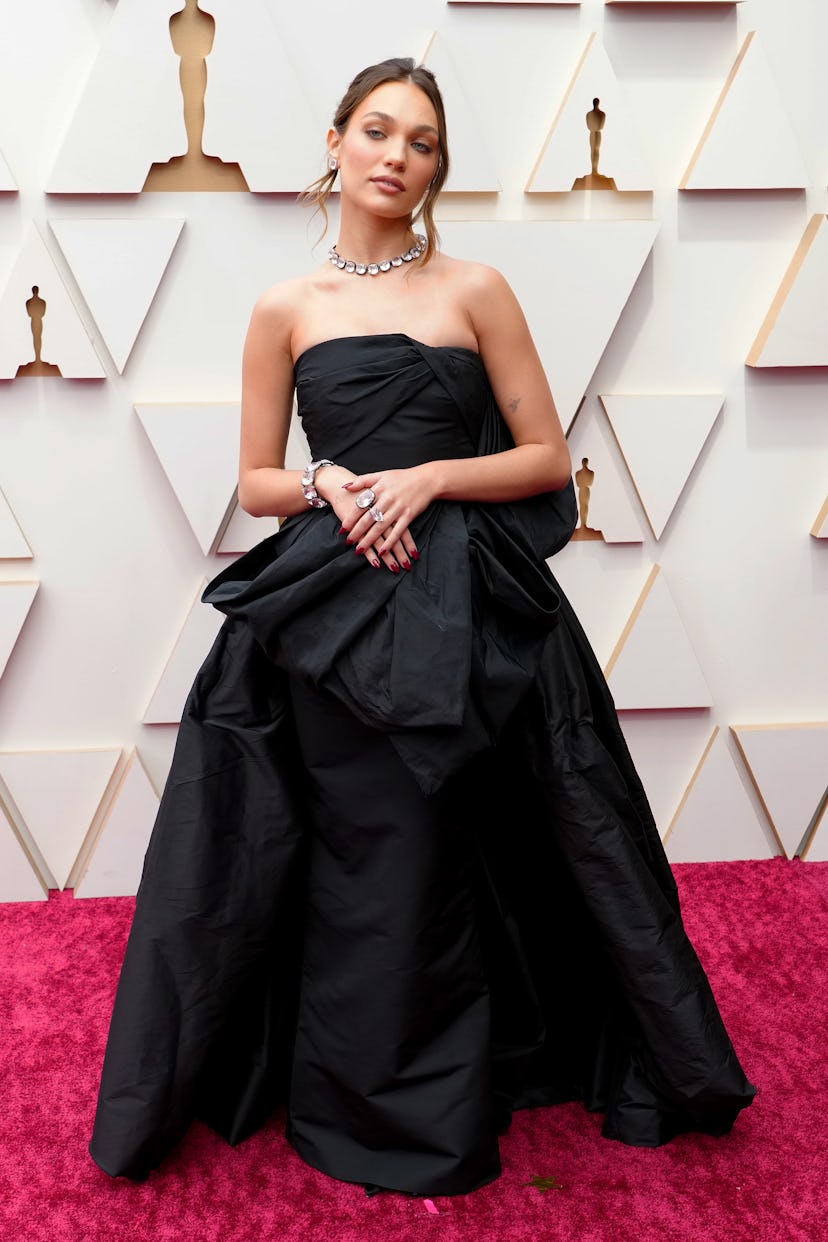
[404, 877]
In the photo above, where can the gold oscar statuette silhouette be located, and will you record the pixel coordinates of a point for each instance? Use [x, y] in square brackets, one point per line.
[36, 310]
[596, 120]
[584, 479]
[192, 31]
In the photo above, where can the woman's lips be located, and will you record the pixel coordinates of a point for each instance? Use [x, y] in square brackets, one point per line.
[389, 184]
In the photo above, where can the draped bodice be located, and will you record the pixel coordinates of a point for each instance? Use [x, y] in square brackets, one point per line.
[438, 657]
[375, 402]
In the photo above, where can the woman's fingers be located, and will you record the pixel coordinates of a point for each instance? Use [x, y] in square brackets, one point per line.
[359, 484]
[369, 529]
[390, 560]
[401, 554]
[392, 554]
[387, 540]
[407, 540]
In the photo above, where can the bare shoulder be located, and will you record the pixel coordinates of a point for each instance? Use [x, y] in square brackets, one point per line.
[488, 300]
[474, 278]
[277, 312]
[281, 302]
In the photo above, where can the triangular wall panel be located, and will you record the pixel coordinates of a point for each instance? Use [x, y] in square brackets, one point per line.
[15, 601]
[244, 531]
[653, 664]
[817, 848]
[13, 545]
[472, 168]
[749, 142]
[197, 635]
[65, 343]
[665, 749]
[566, 153]
[113, 868]
[130, 113]
[19, 880]
[661, 438]
[204, 482]
[274, 128]
[603, 589]
[56, 795]
[118, 265]
[8, 185]
[819, 530]
[605, 499]
[789, 768]
[597, 262]
[795, 329]
[716, 820]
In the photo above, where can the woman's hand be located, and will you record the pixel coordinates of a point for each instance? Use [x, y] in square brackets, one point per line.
[401, 496]
[332, 484]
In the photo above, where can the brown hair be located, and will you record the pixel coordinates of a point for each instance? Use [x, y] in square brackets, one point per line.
[397, 69]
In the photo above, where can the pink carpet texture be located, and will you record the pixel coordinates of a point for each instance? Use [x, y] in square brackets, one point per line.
[761, 931]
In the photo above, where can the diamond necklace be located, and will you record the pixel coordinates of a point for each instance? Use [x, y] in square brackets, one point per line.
[374, 269]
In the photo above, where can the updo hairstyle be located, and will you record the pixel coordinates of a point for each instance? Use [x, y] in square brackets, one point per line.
[397, 69]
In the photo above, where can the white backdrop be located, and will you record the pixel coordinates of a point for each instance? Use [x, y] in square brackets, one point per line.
[743, 584]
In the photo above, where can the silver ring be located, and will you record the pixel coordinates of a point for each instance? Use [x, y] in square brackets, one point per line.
[366, 498]
[376, 513]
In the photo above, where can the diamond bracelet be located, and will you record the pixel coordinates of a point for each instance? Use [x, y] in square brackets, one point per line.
[309, 483]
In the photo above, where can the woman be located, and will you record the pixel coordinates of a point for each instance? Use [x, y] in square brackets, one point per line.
[404, 875]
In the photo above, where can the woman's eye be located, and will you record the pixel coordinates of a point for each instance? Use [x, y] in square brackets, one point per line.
[375, 133]
[424, 147]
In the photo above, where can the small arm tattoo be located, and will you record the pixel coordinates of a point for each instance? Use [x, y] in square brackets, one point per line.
[514, 403]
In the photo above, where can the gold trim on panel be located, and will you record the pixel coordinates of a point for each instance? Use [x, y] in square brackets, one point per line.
[173, 649]
[814, 826]
[35, 582]
[9, 812]
[570, 88]
[821, 522]
[782, 293]
[4, 500]
[16, 819]
[634, 615]
[663, 397]
[714, 115]
[102, 816]
[686, 795]
[810, 828]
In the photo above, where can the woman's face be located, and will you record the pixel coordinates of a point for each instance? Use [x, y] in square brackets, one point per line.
[389, 150]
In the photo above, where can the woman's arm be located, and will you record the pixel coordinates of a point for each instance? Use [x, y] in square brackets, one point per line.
[265, 487]
[540, 461]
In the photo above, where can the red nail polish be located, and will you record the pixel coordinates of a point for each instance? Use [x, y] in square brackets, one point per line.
[350, 542]
[406, 564]
[395, 569]
[358, 551]
[343, 530]
[376, 564]
[415, 556]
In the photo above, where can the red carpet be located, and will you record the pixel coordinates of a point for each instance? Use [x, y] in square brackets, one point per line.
[761, 931]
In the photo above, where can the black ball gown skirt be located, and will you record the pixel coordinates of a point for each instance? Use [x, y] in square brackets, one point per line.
[404, 878]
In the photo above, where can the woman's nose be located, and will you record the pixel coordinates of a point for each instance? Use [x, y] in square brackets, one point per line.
[396, 156]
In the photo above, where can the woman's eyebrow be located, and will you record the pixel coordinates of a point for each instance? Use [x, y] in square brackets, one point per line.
[418, 129]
